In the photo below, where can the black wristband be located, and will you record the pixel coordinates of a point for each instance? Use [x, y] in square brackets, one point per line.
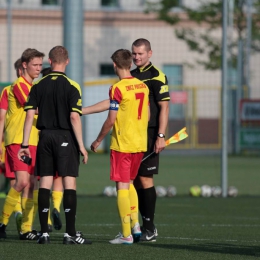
[24, 146]
[161, 135]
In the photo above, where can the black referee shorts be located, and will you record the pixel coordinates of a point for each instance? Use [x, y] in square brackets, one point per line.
[57, 152]
[150, 165]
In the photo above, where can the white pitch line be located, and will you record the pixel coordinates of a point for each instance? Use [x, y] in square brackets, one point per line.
[99, 225]
[188, 225]
[209, 239]
[230, 225]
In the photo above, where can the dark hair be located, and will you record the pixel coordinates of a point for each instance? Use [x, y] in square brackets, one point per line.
[29, 54]
[18, 66]
[141, 41]
[46, 71]
[122, 58]
[58, 54]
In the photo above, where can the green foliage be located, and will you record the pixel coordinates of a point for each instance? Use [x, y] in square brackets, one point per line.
[207, 18]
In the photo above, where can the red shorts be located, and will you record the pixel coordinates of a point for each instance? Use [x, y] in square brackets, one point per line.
[8, 173]
[17, 165]
[124, 166]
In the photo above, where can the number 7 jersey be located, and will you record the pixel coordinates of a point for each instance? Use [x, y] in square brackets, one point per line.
[130, 97]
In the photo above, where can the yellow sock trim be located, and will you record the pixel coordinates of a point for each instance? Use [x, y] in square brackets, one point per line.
[123, 204]
[27, 206]
[57, 199]
[10, 202]
[49, 218]
[133, 205]
[35, 203]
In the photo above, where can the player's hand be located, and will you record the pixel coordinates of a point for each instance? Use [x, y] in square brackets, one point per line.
[84, 153]
[159, 145]
[22, 152]
[95, 145]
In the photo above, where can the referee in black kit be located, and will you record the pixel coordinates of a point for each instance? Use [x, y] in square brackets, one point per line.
[58, 100]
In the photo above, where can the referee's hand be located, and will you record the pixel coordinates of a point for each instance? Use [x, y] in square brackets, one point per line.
[84, 153]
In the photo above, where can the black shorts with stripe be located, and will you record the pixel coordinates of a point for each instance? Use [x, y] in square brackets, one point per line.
[150, 165]
[57, 151]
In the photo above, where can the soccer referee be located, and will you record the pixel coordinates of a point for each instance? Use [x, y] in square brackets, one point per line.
[58, 100]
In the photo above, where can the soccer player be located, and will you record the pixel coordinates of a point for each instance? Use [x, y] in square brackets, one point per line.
[9, 175]
[159, 99]
[159, 103]
[24, 174]
[128, 115]
[58, 99]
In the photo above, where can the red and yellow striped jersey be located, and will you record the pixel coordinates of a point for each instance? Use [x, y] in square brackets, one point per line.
[15, 116]
[130, 97]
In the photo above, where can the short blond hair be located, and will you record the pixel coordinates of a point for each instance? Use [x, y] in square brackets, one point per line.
[140, 42]
[58, 54]
[122, 58]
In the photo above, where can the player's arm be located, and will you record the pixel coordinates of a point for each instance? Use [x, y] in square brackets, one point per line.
[96, 108]
[108, 124]
[163, 121]
[30, 107]
[161, 91]
[2, 123]
[26, 133]
[3, 111]
[75, 103]
[21, 92]
[77, 129]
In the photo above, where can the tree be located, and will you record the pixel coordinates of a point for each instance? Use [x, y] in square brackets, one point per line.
[208, 15]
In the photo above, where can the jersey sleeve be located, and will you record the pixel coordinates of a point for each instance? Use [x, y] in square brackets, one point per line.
[161, 90]
[115, 94]
[75, 100]
[115, 97]
[21, 92]
[4, 99]
[31, 102]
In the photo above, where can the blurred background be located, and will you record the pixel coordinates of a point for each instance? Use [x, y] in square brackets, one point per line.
[186, 38]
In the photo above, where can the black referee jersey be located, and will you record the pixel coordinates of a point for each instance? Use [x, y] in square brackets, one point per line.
[157, 83]
[55, 96]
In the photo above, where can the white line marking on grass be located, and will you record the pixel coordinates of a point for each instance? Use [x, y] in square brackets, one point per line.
[209, 239]
[85, 234]
[99, 225]
[98, 235]
[230, 225]
[188, 225]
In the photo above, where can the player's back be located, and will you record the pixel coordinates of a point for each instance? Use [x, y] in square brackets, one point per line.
[56, 96]
[130, 129]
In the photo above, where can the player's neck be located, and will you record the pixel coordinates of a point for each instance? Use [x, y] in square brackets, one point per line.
[28, 78]
[59, 68]
[123, 74]
[143, 66]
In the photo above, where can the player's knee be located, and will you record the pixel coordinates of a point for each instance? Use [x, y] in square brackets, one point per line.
[146, 182]
[21, 184]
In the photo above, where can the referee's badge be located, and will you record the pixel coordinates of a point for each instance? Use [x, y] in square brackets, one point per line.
[164, 89]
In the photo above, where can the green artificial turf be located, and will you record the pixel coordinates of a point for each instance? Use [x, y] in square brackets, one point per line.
[189, 228]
